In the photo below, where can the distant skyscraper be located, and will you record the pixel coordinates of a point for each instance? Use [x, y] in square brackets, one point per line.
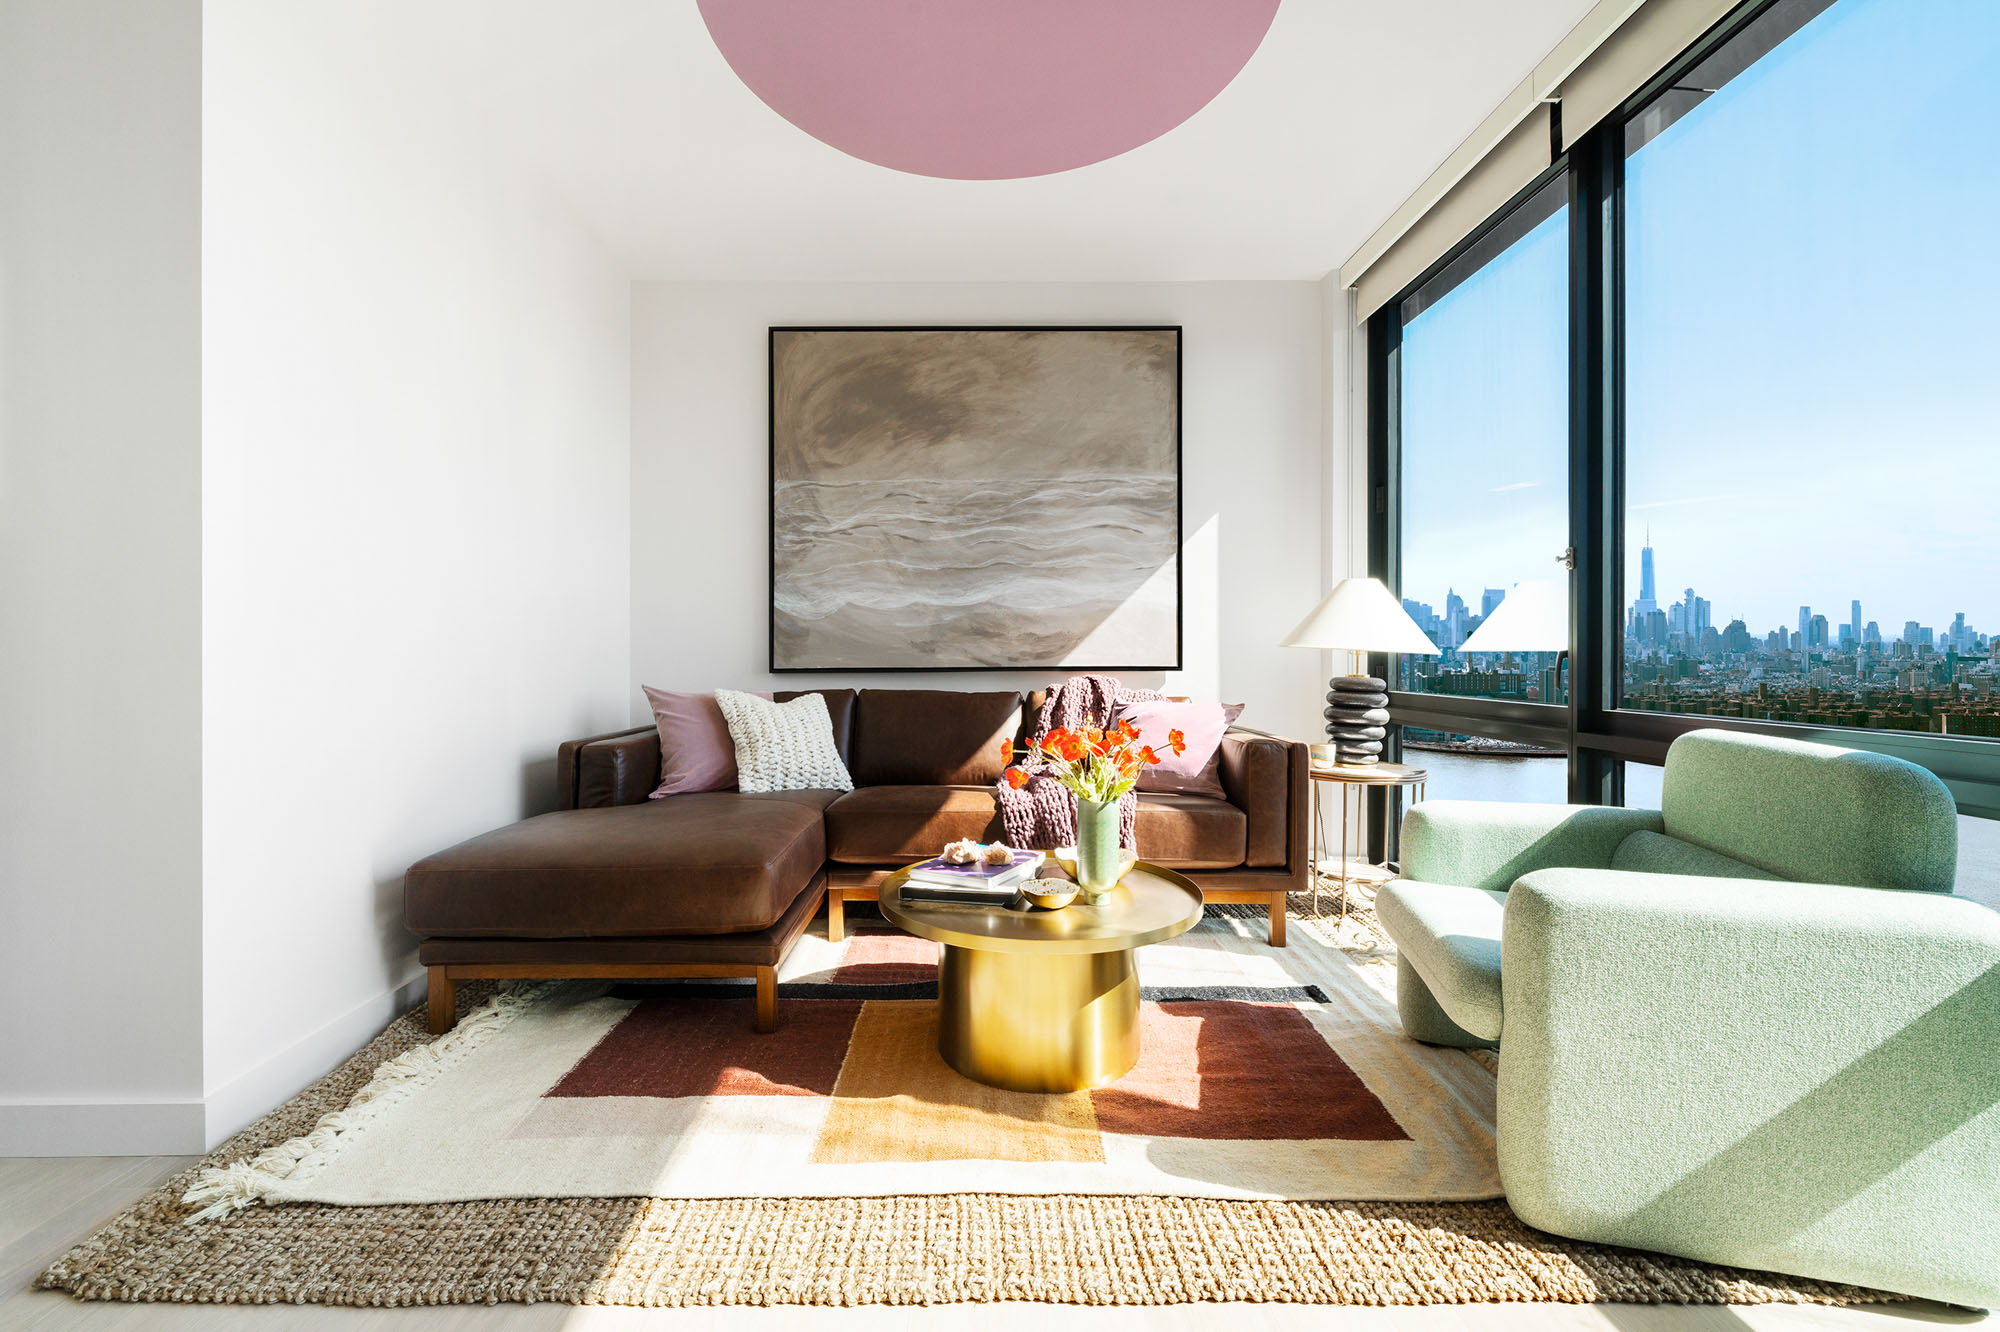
[1490, 598]
[1805, 623]
[1854, 618]
[1644, 607]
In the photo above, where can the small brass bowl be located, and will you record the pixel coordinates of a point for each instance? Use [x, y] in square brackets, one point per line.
[1049, 894]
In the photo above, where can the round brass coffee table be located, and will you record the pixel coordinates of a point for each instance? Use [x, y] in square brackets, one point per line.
[1046, 1001]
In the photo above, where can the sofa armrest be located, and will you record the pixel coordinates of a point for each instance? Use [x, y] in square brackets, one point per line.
[1490, 843]
[1265, 776]
[619, 769]
[1799, 1077]
[567, 762]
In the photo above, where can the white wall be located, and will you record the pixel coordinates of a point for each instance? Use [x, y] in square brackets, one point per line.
[100, 513]
[1253, 484]
[414, 478]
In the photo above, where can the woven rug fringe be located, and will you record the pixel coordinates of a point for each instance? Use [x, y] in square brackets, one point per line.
[220, 1190]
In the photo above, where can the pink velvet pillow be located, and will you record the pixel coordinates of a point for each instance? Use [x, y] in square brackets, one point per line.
[1196, 769]
[696, 753]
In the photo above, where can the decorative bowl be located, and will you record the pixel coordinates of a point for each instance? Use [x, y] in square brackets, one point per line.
[1049, 894]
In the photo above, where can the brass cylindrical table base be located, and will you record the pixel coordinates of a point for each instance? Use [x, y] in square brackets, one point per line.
[1038, 1022]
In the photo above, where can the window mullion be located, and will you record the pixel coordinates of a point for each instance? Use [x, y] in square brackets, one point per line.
[1595, 446]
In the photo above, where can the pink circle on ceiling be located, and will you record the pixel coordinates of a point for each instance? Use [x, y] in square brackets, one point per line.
[987, 89]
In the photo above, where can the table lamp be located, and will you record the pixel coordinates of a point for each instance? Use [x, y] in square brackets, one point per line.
[1532, 617]
[1359, 616]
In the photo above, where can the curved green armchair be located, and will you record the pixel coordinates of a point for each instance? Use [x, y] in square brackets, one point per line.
[1751, 1028]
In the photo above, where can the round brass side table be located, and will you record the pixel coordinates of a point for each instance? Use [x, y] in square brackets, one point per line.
[1341, 868]
[1046, 1001]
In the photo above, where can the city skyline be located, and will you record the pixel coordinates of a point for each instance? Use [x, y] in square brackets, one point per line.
[1843, 668]
[1836, 612]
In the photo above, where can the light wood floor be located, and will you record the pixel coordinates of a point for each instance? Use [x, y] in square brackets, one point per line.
[48, 1203]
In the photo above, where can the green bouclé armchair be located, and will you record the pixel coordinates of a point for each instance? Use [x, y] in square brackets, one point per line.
[1752, 1028]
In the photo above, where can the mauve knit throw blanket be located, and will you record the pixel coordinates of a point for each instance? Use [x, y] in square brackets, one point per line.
[1041, 816]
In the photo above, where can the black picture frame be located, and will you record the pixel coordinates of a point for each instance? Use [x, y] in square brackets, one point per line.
[775, 331]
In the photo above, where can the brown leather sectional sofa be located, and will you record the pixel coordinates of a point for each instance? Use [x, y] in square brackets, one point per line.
[615, 885]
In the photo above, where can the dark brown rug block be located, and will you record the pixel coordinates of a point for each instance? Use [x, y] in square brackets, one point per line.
[702, 1047]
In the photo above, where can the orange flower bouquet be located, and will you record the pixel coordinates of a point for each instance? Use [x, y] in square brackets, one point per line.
[1091, 763]
[1099, 767]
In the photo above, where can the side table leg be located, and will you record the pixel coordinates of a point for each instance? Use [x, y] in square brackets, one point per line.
[1343, 855]
[1318, 843]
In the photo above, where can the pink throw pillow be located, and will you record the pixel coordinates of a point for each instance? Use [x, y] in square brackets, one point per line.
[1196, 770]
[696, 753]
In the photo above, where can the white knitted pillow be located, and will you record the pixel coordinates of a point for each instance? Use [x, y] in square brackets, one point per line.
[783, 746]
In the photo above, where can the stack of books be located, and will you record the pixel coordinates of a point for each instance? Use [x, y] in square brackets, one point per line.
[937, 880]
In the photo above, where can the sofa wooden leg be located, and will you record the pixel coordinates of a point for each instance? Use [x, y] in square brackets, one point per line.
[836, 923]
[441, 993]
[1278, 921]
[767, 999]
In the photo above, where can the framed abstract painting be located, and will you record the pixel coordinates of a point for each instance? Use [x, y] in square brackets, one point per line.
[975, 498]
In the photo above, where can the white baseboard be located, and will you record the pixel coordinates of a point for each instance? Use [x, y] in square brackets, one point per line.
[250, 1095]
[188, 1128]
[102, 1128]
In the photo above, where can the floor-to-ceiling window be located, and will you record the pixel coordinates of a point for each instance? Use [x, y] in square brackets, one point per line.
[1485, 448]
[1753, 315]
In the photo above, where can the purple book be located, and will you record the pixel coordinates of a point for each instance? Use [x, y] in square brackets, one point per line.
[938, 870]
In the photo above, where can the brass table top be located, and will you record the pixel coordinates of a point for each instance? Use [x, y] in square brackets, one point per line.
[1148, 905]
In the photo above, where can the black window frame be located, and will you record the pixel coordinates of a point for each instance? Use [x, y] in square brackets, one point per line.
[1594, 729]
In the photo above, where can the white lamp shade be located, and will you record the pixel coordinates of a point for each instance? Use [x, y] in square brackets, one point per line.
[1534, 617]
[1360, 615]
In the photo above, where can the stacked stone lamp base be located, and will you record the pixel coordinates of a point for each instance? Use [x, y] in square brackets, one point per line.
[1357, 718]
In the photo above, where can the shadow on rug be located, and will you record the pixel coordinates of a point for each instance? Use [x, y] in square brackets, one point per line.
[853, 1251]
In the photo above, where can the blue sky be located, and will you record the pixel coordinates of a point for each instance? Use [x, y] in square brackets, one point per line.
[1813, 346]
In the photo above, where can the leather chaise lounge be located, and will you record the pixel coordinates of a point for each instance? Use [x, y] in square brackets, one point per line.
[614, 885]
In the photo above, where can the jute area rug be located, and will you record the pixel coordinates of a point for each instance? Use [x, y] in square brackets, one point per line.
[900, 1249]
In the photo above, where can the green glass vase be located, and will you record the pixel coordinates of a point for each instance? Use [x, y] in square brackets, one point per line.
[1099, 862]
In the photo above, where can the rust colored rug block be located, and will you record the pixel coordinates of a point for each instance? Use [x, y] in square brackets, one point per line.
[703, 1047]
[1243, 1071]
[885, 958]
[897, 1100]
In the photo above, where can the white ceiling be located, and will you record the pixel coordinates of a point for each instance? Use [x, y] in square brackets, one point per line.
[629, 114]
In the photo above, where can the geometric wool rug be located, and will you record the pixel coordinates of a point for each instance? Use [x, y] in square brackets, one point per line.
[1264, 1074]
[907, 1249]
